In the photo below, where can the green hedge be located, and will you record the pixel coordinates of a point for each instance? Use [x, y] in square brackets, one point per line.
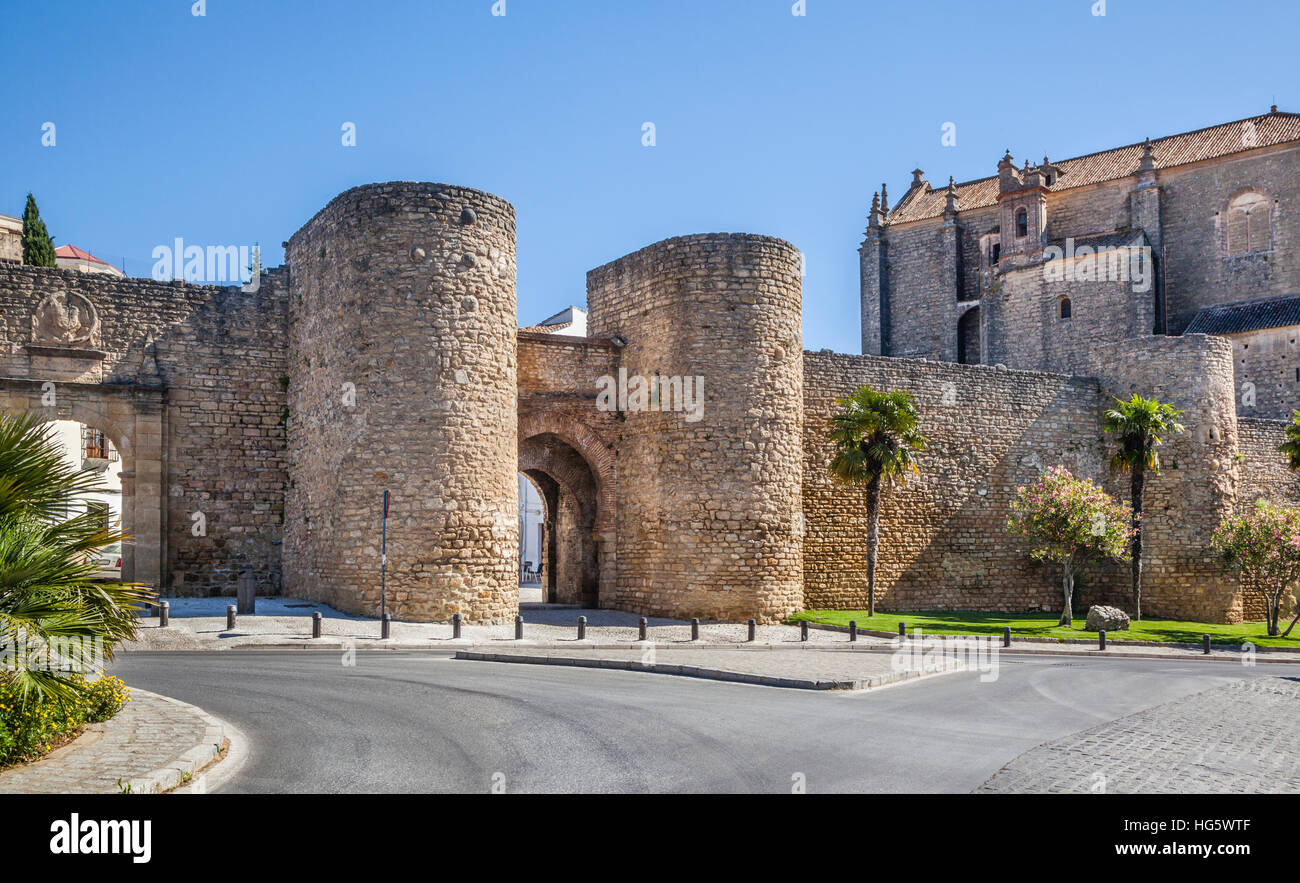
[28, 727]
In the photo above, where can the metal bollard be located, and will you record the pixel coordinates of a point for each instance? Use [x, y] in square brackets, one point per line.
[1101, 640]
[902, 630]
[853, 629]
[455, 625]
[519, 628]
[1205, 644]
[1006, 637]
[316, 619]
[385, 626]
[803, 630]
[582, 628]
[230, 617]
[695, 629]
[643, 624]
[753, 631]
[164, 614]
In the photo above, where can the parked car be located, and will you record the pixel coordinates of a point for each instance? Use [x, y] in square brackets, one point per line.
[108, 562]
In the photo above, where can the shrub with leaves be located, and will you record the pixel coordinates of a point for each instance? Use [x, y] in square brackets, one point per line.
[29, 727]
[1072, 522]
[1263, 546]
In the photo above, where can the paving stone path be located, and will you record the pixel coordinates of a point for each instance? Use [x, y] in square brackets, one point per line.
[149, 746]
[1238, 738]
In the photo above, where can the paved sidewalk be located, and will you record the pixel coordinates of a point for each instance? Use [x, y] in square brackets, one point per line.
[200, 624]
[147, 747]
[1239, 738]
[826, 669]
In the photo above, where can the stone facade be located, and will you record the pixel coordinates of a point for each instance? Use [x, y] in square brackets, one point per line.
[186, 380]
[260, 426]
[402, 377]
[709, 509]
[985, 245]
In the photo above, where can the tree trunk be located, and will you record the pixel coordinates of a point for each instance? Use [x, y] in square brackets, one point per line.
[1067, 615]
[1275, 615]
[1139, 482]
[1287, 633]
[873, 541]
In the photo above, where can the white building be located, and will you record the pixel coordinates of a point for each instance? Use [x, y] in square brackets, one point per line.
[88, 449]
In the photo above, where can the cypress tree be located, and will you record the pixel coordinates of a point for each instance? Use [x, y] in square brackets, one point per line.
[38, 247]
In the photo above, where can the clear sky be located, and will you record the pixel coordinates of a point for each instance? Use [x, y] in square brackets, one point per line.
[226, 129]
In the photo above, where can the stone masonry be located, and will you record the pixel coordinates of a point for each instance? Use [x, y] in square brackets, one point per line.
[260, 426]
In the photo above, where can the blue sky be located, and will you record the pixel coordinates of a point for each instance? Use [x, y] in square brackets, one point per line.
[225, 129]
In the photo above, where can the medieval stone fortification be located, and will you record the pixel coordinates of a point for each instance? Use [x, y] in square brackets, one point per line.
[260, 426]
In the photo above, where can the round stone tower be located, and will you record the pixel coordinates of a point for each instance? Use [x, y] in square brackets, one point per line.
[709, 517]
[402, 377]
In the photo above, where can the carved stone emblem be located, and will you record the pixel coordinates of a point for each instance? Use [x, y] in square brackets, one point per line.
[65, 319]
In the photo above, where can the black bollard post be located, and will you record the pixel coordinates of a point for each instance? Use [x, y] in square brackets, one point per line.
[1006, 637]
[642, 627]
[455, 625]
[1101, 639]
[803, 630]
[1205, 644]
[230, 617]
[902, 630]
[164, 614]
[853, 629]
[316, 619]
[385, 626]
[753, 631]
[582, 628]
[519, 628]
[695, 629]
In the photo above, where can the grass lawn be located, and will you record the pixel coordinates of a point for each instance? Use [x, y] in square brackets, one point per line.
[1044, 625]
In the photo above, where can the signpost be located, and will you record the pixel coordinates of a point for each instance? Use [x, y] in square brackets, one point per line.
[383, 563]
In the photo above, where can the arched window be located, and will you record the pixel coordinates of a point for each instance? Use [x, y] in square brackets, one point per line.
[1250, 223]
[1022, 222]
[1066, 309]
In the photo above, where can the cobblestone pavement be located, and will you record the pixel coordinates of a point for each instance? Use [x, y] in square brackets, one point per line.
[148, 746]
[1238, 738]
[824, 669]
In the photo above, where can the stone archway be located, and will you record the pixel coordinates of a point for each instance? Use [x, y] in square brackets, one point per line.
[572, 469]
[132, 418]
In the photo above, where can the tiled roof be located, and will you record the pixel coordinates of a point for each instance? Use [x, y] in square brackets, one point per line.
[1119, 162]
[71, 252]
[1272, 312]
[547, 329]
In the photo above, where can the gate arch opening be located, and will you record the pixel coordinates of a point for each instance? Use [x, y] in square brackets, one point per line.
[570, 542]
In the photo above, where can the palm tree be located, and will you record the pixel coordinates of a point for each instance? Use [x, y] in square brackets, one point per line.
[51, 607]
[1139, 423]
[875, 438]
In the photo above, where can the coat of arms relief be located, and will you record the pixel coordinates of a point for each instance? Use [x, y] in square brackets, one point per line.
[65, 319]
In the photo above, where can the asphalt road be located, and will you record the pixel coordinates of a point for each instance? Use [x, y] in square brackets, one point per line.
[422, 722]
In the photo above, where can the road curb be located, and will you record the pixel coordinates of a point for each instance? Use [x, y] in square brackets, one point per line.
[179, 768]
[696, 671]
